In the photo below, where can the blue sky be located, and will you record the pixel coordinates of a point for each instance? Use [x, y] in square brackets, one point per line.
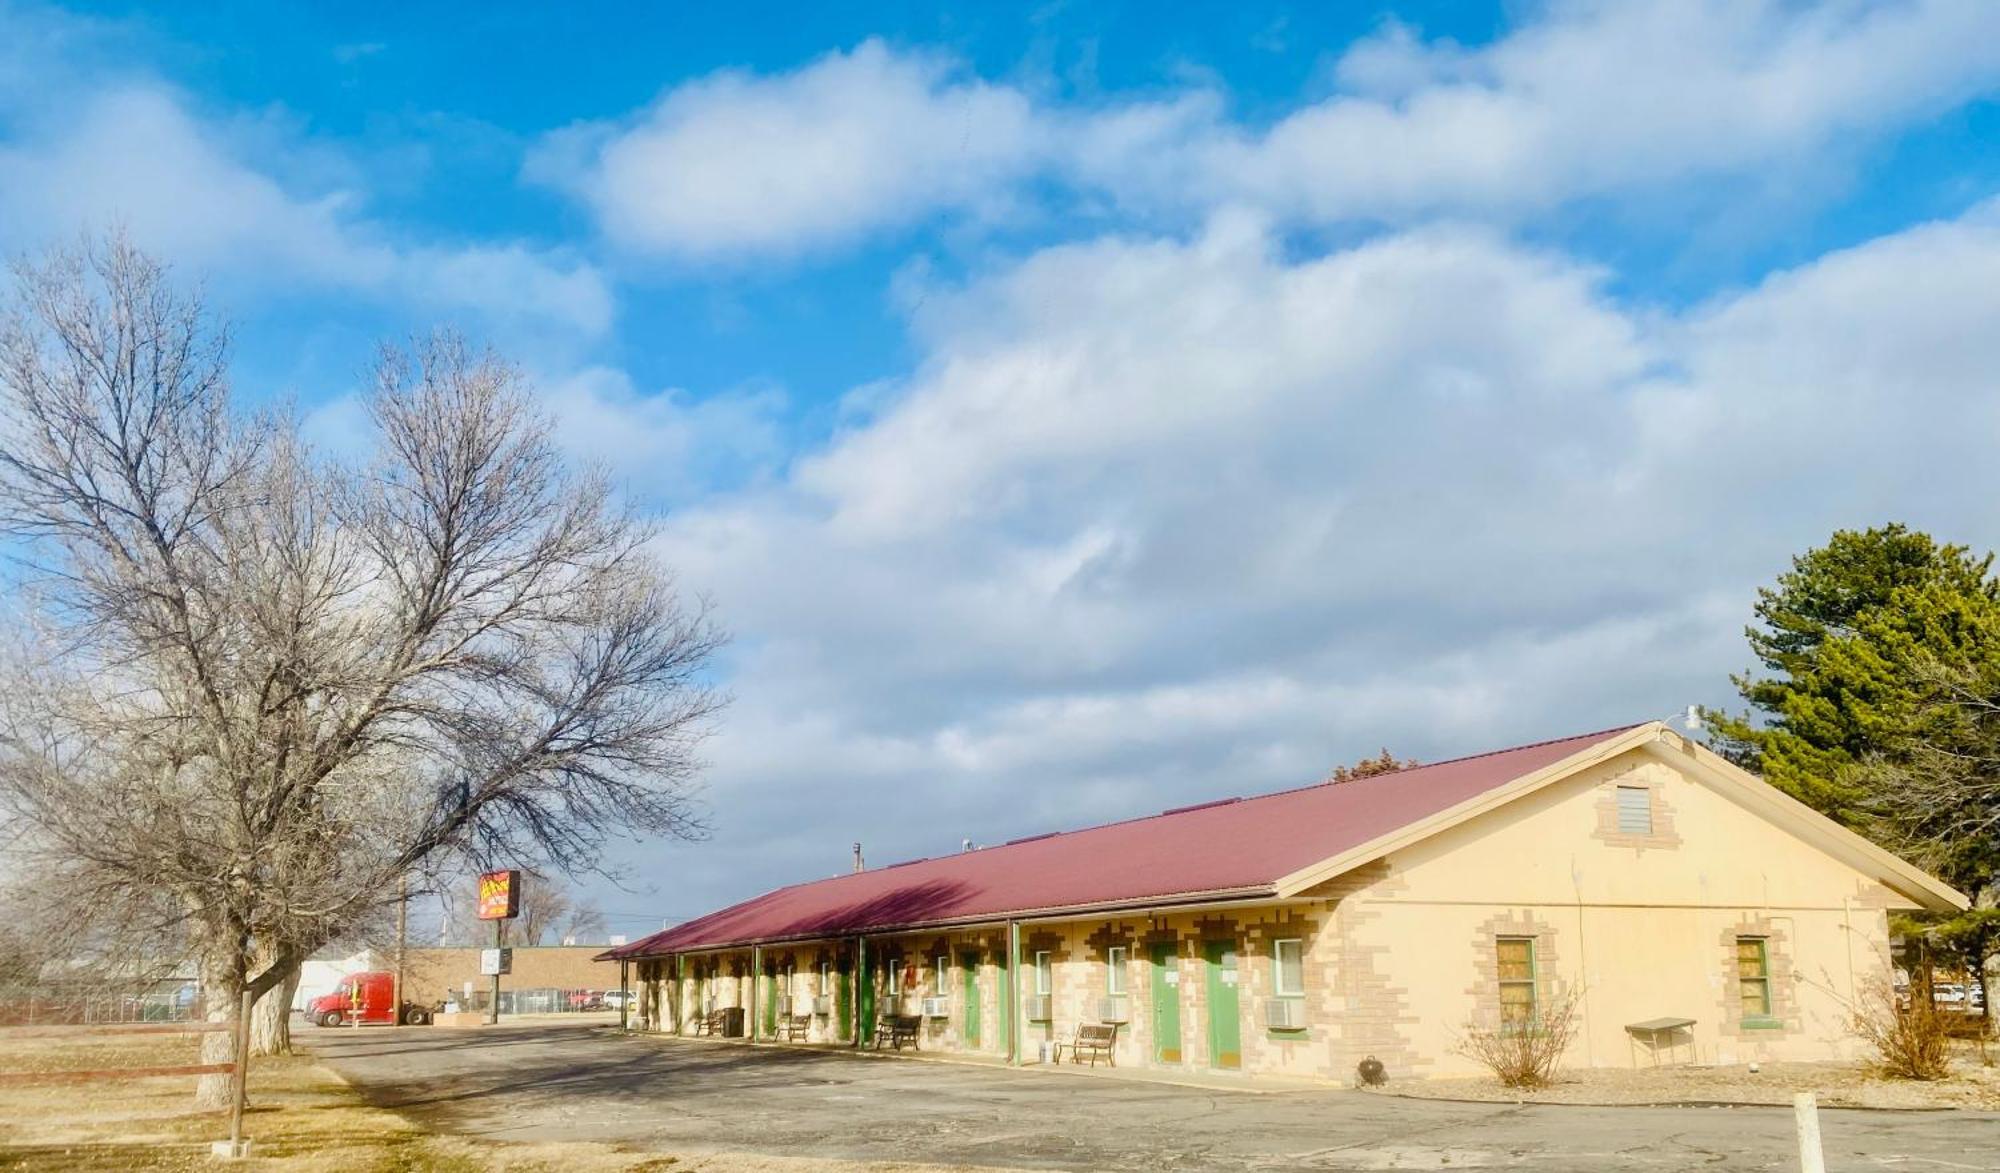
[1075, 412]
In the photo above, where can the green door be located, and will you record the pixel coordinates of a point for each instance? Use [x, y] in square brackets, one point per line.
[1225, 1032]
[969, 1015]
[1166, 1004]
[843, 1000]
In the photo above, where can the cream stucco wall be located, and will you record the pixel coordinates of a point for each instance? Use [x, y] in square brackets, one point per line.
[1640, 929]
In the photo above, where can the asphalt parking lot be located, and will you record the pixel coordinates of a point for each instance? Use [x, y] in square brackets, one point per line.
[572, 1082]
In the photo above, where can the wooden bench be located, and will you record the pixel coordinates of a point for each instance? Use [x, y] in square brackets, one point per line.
[795, 1028]
[711, 1023]
[897, 1029]
[1094, 1038]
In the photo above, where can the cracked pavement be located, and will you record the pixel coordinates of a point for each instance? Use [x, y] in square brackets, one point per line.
[565, 1082]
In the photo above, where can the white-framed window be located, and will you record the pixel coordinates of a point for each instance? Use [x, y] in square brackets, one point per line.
[942, 983]
[1635, 810]
[1044, 975]
[826, 977]
[1288, 967]
[1114, 970]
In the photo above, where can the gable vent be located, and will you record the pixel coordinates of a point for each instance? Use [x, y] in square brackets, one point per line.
[1635, 810]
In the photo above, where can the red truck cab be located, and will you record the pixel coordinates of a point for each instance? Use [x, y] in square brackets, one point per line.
[363, 998]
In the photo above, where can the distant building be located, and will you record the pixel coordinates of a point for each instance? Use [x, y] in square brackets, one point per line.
[1693, 912]
[440, 973]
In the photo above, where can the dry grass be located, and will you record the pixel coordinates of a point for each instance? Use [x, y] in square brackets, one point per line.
[1910, 1041]
[302, 1117]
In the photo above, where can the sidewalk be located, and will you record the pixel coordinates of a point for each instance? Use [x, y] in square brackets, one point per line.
[1219, 1081]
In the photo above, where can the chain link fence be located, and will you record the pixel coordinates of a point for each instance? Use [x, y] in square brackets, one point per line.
[176, 1000]
[539, 1000]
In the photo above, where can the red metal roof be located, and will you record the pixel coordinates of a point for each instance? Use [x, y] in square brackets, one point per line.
[1218, 849]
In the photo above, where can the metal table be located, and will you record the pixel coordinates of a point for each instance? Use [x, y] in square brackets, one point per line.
[1655, 1029]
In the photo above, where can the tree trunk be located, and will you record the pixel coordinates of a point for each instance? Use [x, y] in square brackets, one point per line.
[271, 1019]
[221, 996]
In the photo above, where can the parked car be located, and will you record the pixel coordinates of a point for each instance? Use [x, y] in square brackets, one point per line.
[365, 998]
[586, 1000]
[1958, 996]
[615, 999]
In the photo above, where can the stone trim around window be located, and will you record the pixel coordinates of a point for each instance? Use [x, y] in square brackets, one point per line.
[1316, 972]
[1663, 838]
[1485, 988]
[1784, 1017]
[1108, 934]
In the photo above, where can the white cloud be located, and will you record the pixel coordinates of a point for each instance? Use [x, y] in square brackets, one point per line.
[1602, 97]
[1154, 522]
[1581, 100]
[738, 163]
[133, 155]
[668, 446]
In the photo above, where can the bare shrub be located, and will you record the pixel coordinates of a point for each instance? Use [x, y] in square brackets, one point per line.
[1524, 1053]
[1908, 1035]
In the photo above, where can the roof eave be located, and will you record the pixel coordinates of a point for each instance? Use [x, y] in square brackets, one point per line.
[1174, 901]
[1912, 882]
[1319, 873]
[1862, 854]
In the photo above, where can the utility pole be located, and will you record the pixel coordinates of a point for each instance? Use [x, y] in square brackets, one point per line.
[402, 940]
[499, 943]
[499, 902]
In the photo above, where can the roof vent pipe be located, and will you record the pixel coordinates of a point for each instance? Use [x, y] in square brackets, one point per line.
[857, 857]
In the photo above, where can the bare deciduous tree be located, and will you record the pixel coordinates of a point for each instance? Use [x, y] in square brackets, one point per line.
[1937, 803]
[256, 685]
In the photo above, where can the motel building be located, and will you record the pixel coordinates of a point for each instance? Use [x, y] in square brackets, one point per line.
[1693, 913]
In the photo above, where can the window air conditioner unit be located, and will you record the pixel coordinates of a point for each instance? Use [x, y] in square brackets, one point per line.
[1285, 1013]
[1039, 1007]
[937, 1007]
[784, 1003]
[823, 1005]
[1112, 1008]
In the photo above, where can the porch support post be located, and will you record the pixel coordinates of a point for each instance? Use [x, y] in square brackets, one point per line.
[670, 1003]
[624, 1023]
[756, 1009]
[679, 968]
[1010, 1006]
[860, 967]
